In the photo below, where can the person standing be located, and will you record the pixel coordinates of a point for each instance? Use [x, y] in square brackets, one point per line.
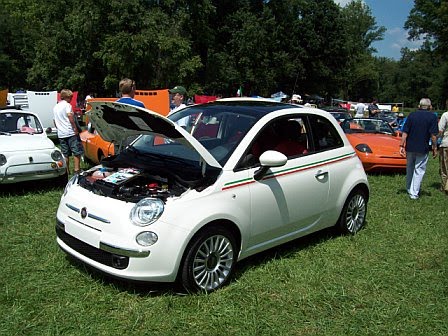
[373, 108]
[395, 108]
[420, 127]
[127, 89]
[179, 94]
[68, 133]
[359, 109]
[443, 152]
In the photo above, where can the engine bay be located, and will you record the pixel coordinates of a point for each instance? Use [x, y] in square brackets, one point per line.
[129, 184]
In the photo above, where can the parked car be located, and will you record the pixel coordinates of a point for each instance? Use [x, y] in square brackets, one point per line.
[26, 152]
[95, 148]
[389, 116]
[340, 116]
[187, 203]
[376, 143]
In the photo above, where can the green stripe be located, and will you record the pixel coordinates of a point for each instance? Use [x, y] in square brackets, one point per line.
[289, 169]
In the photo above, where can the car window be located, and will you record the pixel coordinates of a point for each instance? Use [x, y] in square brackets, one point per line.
[287, 135]
[324, 134]
[20, 123]
[367, 126]
[218, 131]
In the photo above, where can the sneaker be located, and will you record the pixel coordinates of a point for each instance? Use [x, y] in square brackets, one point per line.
[413, 197]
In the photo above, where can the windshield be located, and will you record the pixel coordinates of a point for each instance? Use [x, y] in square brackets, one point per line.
[21, 123]
[367, 126]
[219, 129]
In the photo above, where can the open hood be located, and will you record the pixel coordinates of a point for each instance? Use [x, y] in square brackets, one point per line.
[115, 122]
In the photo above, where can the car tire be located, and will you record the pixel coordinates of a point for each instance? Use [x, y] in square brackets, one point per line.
[209, 261]
[353, 215]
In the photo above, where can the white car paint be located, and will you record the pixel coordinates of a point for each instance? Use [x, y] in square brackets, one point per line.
[26, 154]
[292, 199]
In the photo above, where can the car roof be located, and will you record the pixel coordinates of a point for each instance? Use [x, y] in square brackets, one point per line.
[247, 106]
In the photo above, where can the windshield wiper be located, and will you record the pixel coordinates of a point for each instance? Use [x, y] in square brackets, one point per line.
[5, 133]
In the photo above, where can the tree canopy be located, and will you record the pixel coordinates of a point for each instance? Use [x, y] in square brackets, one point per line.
[212, 46]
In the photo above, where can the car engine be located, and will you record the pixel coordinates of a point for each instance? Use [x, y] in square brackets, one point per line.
[129, 184]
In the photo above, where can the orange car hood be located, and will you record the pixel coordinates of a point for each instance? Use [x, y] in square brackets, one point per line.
[115, 122]
[378, 143]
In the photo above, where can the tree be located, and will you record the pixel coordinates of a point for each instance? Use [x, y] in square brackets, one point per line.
[362, 76]
[428, 20]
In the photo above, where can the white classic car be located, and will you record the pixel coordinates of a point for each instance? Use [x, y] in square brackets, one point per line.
[186, 203]
[26, 152]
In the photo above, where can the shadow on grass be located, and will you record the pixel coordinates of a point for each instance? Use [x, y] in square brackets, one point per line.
[145, 289]
[29, 187]
[387, 172]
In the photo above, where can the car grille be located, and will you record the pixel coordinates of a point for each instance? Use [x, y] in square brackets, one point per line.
[103, 257]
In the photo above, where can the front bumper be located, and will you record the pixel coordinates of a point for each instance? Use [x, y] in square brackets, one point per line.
[106, 240]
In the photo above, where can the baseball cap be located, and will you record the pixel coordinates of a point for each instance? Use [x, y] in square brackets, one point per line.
[178, 89]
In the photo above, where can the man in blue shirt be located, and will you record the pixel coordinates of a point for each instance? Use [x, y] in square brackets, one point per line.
[420, 127]
[127, 89]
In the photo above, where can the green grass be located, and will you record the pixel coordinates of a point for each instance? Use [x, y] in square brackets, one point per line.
[390, 279]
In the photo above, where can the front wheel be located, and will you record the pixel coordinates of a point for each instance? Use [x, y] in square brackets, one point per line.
[210, 260]
[353, 215]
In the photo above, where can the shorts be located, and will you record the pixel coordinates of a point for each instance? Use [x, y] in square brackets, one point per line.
[71, 146]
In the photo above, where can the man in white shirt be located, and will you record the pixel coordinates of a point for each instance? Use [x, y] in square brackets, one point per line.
[177, 100]
[359, 108]
[443, 152]
[68, 133]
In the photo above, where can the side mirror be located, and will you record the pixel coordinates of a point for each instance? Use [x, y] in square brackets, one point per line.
[268, 160]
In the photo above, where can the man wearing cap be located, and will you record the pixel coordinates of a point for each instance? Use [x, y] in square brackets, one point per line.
[179, 93]
[177, 100]
[420, 127]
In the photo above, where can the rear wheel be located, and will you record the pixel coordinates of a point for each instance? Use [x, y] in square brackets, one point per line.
[353, 215]
[210, 260]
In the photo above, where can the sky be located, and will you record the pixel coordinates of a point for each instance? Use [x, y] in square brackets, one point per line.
[391, 14]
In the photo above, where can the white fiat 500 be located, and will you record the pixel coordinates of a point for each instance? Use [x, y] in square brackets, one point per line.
[26, 152]
[193, 193]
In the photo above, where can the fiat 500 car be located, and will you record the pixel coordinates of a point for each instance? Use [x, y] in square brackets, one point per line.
[26, 152]
[376, 143]
[208, 186]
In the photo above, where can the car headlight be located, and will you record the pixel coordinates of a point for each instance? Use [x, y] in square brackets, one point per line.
[363, 148]
[146, 211]
[72, 181]
[56, 155]
[2, 159]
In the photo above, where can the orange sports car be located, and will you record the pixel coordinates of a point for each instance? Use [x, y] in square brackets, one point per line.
[95, 148]
[376, 143]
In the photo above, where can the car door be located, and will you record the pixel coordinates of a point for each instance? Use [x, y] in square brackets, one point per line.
[292, 200]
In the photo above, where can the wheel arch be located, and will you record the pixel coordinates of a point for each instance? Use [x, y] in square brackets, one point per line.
[221, 223]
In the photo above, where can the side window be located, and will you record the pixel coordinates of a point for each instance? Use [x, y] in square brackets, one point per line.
[287, 135]
[325, 136]
[292, 139]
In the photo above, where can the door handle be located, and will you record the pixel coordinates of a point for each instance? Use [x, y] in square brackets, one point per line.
[320, 175]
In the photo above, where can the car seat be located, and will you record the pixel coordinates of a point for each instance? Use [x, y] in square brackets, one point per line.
[290, 144]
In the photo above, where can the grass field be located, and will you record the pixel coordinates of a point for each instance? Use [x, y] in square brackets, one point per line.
[390, 279]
